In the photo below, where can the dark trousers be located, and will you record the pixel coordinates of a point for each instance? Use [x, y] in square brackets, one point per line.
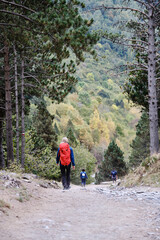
[65, 173]
[114, 178]
[83, 181]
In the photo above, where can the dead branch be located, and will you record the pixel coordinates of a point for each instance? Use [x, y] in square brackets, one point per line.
[17, 5]
[7, 24]
[157, 4]
[143, 3]
[135, 40]
[1, 50]
[127, 71]
[135, 46]
[119, 8]
[17, 14]
[32, 76]
[129, 66]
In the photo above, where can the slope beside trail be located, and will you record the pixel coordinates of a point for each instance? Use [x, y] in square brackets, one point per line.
[93, 213]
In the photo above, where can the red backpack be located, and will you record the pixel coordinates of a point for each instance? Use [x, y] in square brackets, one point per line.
[64, 151]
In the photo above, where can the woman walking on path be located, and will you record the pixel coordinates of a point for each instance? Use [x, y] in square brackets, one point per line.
[65, 156]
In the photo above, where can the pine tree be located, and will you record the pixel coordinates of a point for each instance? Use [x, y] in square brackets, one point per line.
[72, 139]
[56, 129]
[113, 159]
[145, 42]
[48, 33]
[140, 145]
[43, 125]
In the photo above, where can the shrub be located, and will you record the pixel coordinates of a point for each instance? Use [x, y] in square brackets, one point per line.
[83, 159]
[113, 159]
[42, 164]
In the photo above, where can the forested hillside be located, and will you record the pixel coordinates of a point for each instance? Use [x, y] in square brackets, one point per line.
[79, 69]
[97, 109]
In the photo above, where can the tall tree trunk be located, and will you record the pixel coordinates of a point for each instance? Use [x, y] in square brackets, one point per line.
[23, 124]
[8, 106]
[153, 110]
[2, 119]
[2, 162]
[17, 111]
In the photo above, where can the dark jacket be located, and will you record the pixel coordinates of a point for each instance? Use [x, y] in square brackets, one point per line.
[83, 175]
[113, 173]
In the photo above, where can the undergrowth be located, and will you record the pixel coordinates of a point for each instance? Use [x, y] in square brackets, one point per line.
[147, 174]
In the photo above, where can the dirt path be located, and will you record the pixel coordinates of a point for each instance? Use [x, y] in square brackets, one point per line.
[53, 214]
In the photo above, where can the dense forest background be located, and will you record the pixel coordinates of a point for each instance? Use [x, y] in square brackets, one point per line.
[97, 111]
[71, 80]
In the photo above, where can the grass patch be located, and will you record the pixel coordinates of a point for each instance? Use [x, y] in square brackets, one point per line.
[23, 196]
[3, 204]
[147, 174]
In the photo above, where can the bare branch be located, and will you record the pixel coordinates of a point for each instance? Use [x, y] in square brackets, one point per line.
[140, 64]
[128, 71]
[134, 46]
[129, 45]
[144, 67]
[32, 76]
[157, 4]
[157, 20]
[135, 40]
[1, 50]
[18, 5]
[27, 85]
[7, 24]
[17, 14]
[120, 8]
[138, 1]
[60, 74]
[31, 85]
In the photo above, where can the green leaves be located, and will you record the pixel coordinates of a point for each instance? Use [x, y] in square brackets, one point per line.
[83, 159]
[140, 145]
[113, 159]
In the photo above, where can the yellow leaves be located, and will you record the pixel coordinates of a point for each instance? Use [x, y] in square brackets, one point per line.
[95, 102]
[103, 128]
[114, 107]
[136, 112]
[63, 109]
[112, 127]
[100, 124]
[99, 45]
[86, 138]
[90, 76]
[63, 112]
[95, 120]
[104, 142]
[110, 82]
[119, 143]
[76, 118]
[107, 52]
[64, 122]
[126, 104]
[73, 97]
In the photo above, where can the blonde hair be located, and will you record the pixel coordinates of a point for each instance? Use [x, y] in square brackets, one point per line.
[65, 140]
